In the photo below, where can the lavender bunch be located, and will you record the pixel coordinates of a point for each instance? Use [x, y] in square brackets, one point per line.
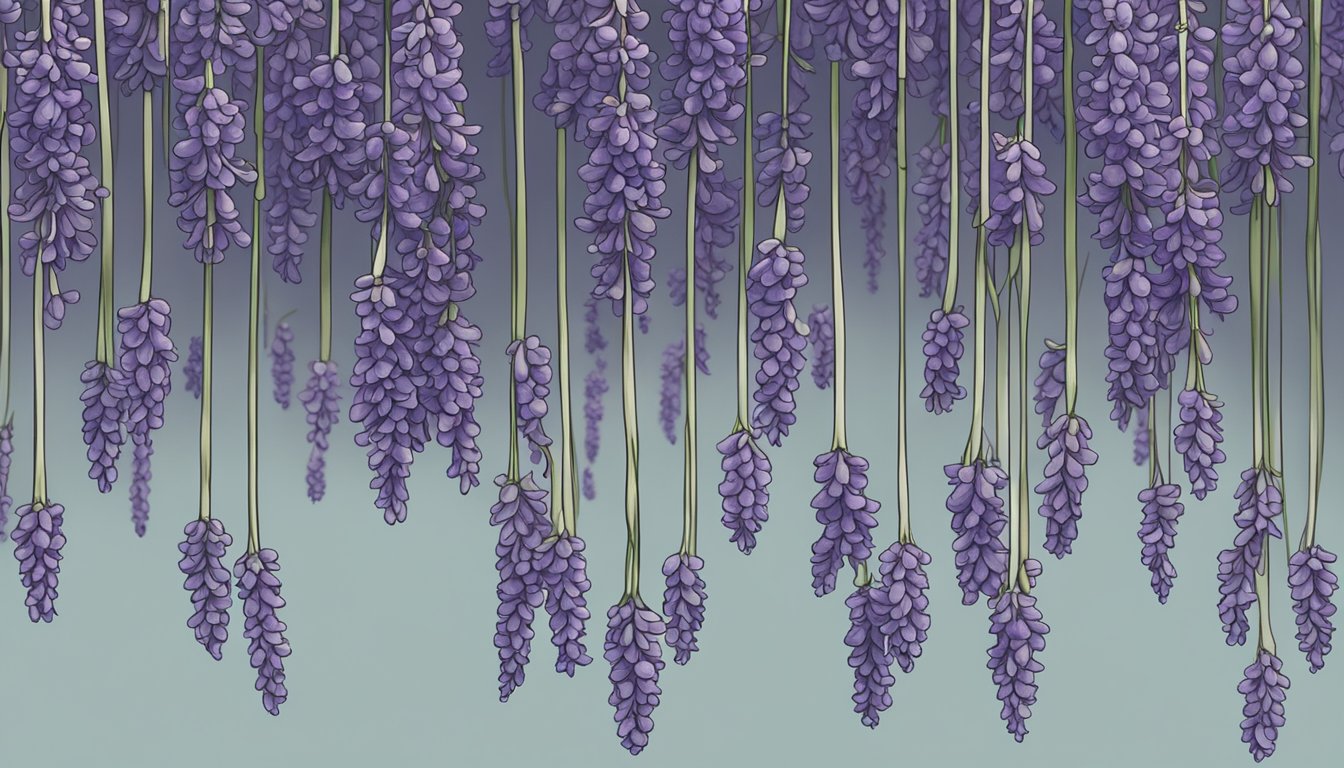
[1259, 506]
[870, 653]
[104, 391]
[321, 400]
[521, 516]
[1065, 480]
[1162, 510]
[202, 563]
[942, 359]
[978, 521]
[1019, 635]
[259, 591]
[1313, 583]
[821, 324]
[846, 514]
[282, 364]
[745, 488]
[145, 362]
[780, 336]
[191, 371]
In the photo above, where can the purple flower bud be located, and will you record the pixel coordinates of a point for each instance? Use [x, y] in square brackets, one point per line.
[194, 368]
[1142, 438]
[683, 603]
[846, 514]
[1017, 197]
[1019, 635]
[636, 658]
[452, 386]
[1264, 687]
[978, 520]
[1162, 510]
[564, 571]
[780, 337]
[204, 169]
[933, 190]
[321, 399]
[821, 327]
[745, 488]
[38, 541]
[1050, 381]
[1064, 481]
[523, 522]
[282, 364]
[104, 392]
[259, 591]
[140, 477]
[531, 385]
[942, 357]
[905, 584]
[208, 582]
[1313, 583]
[1198, 437]
[869, 655]
[1259, 505]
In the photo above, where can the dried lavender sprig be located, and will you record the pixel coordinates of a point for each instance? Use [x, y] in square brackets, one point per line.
[1313, 582]
[191, 371]
[202, 563]
[282, 364]
[821, 324]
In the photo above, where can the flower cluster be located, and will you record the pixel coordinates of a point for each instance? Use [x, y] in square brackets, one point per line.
[1198, 437]
[531, 363]
[978, 520]
[683, 603]
[781, 158]
[1065, 480]
[1313, 583]
[636, 658]
[780, 337]
[745, 488]
[282, 364]
[1264, 687]
[145, 362]
[906, 585]
[38, 541]
[942, 359]
[870, 655]
[453, 384]
[933, 191]
[564, 571]
[194, 369]
[259, 591]
[133, 54]
[208, 581]
[523, 522]
[1007, 45]
[846, 514]
[821, 327]
[1259, 506]
[499, 32]
[1162, 510]
[103, 394]
[1017, 196]
[6, 461]
[1050, 381]
[321, 399]
[1019, 636]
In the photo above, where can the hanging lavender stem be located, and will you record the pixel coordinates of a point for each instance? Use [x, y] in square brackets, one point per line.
[282, 364]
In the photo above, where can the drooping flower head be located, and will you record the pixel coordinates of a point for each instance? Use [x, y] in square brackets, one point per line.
[1313, 583]
[207, 580]
[1017, 196]
[821, 328]
[321, 399]
[1199, 436]
[145, 362]
[906, 585]
[683, 603]
[453, 384]
[870, 655]
[193, 370]
[745, 489]
[38, 541]
[846, 514]
[1019, 636]
[942, 359]
[282, 364]
[564, 571]
[267, 648]
[1259, 506]
[1265, 687]
[1050, 381]
[636, 659]
[523, 522]
[978, 521]
[1162, 510]
[932, 189]
[1065, 480]
[103, 394]
[531, 364]
[780, 336]
[134, 57]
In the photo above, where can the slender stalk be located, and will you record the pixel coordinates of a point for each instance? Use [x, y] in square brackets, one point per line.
[1262, 591]
[324, 280]
[147, 189]
[567, 503]
[973, 440]
[1257, 341]
[207, 384]
[1003, 362]
[39, 384]
[746, 242]
[46, 21]
[905, 533]
[254, 329]
[334, 29]
[1070, 220]
[1023, 530]
[106, 311]
[628, 405]
[954, 160]
[166, 100]
[1315, 318]
[1268, 282]
[691, 488]
[520, 184]
[781, 231]
[839, 439]
[6, 253]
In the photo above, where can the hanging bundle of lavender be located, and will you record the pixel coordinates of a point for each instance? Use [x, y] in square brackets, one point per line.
[204, 169]
[9, 13]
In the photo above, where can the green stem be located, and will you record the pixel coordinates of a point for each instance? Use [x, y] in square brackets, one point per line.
[207, 364]
[520, 185]
[905, 532]
[1071, 287]
[46, 21]
[839, 435]
[334, 30]
[1257, 341]
[254, 320]
[6, 253]
[1003, 362]
[1023, 530]
[973, 440]
[567, 502]
[746, 244]
[691, 489]
[39, 384]
[147, 188]
[954, 160]
[1315, 318]
[106, 310]
[324, 280]
[781, 230]
[1262, 591]
[629, 412]
[1268, 282]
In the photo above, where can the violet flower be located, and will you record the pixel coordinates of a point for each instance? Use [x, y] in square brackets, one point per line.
[104, 391]
[683, 603]
[531, 386]
[1019, 635]
[869, 133]
[282, 364]
[1007, 43]
[1313, 583]
[932, 189]
[821, 327]
[669, 395]
[1064, 481]
[780, 337]
[1050, 381]
[6, 462]
[499, 31]
[207, 579]
[1259, 505]
[595, 386]
[453, 384]
[636, 658]
[942, 359]
[1018, 198]
[259, 591]
[133, 54]
[1162, 510]
[141, 454]
[906, 585]
[564, 571]
[194, 367]
[321, 399]
[870, 655]
[846, 514]
[205, 168]
[38, 541]
[745, 488]
[331, 98]
[1264, 687]
[1198, 437]
[145, 361]
[1142, 438]
[523, 522]
[978, 521]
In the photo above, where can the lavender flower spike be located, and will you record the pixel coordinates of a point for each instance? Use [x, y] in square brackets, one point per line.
[1065, 480]
[1050, 381]
[978, 520]
[208, 581]
[869, 655]
[1198, 437]
[745, 489]
[38, 541]
[145, 361]
[1259, 504]
[821, 323]
[192, 371]
[1313, 583]
[636, 658]
[1265, 688]
[1162, 510]
[683, 603]
[1019, 635]
[531, 386]
[523, 522]
[140, 477]
[259, 590]
[669, 394]
[321, 398]
[564, 571]
[905, 582]
[6, 461]
[846, 514]
[942, 357]
[780, 335]
[282, 364]
[102, 398]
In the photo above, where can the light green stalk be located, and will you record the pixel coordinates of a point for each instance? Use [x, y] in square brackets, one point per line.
[905, 533]
[6, 253]
[106, 310]
[39, 382]
[690, 489]
[974, 441]
[254, 329]
[1194, 375]
[1256, 246]
[1071, 221]
[565, 510]
[147, 191]
[166, 100]
[746, 244]
[628, 405]
[1315, 317]
[839, 441]
[1022, 531]
[954, 161]
[519, 220]
[208, 340]
[781, 230]
[324, 280]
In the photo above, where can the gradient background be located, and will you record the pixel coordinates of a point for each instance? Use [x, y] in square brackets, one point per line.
[391, 629]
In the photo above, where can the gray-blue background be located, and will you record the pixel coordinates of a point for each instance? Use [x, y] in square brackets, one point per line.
[391, 628]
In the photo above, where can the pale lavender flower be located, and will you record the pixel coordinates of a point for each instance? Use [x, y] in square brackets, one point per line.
[330, 95]
[282, 364]
[870, 655]
[1162, 510]
[589, 484]
[321, 399]
[1064, 481]
[104, 391]
[141, 454]
[780, 337]
[194, 368]
[523, 522]
[745, 488]
[978, 520]
[636, 657]
[821, 328]
[6, 461]
[1265, 688]
[564, 571]
[1199, 436]
[942, 359]
[1050, 381]
[933, 189]
[1017, 200]
[1259, 506]
[1142, 438]
[204, 169]
[207, 580]
[452, 386]
[531, 363]
[133, 54]
[1313, 583]
[683, 603]
[1019, 636]
[259, 591]
[145, 361]
[846, 514]
[906, 584]
[38, 541]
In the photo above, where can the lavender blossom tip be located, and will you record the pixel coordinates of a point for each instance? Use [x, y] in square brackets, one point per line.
[38, 541]
[870, 655]
[259, 591]
[1019, 636]
[942, 357]
[846, 514]
[1264, 687]
[1313, 582]
[683, 603]
[636, 657]
[745, 489]
[207, 579]
[1065, 480]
